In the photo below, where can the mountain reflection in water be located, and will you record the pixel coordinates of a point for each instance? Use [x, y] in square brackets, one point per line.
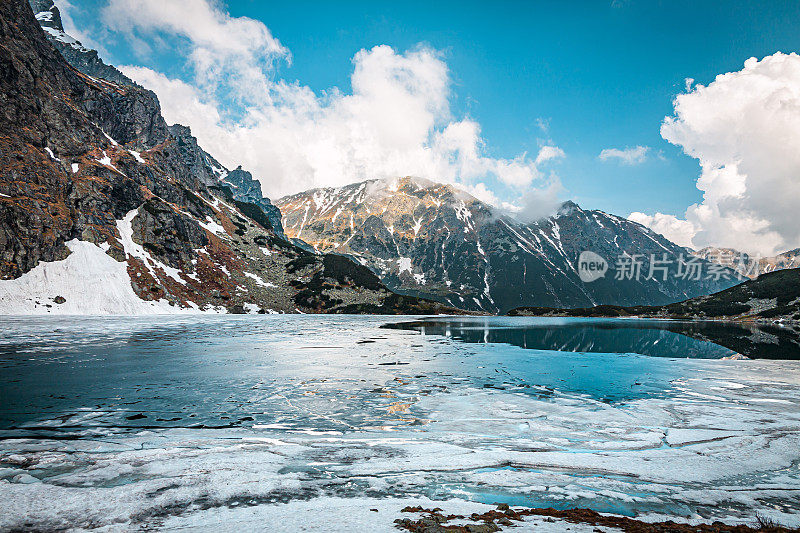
[658, 338]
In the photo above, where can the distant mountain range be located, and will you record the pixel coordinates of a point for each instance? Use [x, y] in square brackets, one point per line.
[437, 241]
[774, 296]
[747, 265]
[100, 169]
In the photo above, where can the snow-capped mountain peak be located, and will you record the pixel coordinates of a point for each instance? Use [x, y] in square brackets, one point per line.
[433, 239]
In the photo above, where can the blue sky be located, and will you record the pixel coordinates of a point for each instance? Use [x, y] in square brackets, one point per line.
[599, 74]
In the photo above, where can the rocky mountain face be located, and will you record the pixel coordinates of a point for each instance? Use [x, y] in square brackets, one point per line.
[434, 240]
[105, 209]
[247, 189]
[201, 164]
[747, 265]
[237, 183]
[84, 59]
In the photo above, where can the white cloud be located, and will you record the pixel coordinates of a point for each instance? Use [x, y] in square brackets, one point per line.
[678, 231]
[543, 124]
[227, 54]
[539, 203]
[744, 129]
[396, 121]
[546, 153]
[626, 156]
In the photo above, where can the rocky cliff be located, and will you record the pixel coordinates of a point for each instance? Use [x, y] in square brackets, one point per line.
[82, 58]
[437, 241]
[104, 209]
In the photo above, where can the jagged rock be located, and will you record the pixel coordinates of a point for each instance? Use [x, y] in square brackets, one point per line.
[200, 163]
[84, 59]
[247, 189]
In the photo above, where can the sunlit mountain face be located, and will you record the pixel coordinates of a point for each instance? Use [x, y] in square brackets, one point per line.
[436, 240]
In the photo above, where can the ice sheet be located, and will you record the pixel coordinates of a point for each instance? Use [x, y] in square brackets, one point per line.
[207, 422]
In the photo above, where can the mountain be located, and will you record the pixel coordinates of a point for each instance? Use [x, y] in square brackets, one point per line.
[83, 59]
[770, 297]
[237, 183]
[435, 240]
[747, 265]
[105, 209]
[241, 183]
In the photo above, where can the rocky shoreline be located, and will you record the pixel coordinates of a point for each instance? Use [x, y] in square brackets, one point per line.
[436, 521]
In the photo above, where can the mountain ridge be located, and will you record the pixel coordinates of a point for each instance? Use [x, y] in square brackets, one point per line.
[748, 265]
[438, 241]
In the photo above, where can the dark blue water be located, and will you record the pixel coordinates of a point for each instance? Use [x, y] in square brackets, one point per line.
[222, 372]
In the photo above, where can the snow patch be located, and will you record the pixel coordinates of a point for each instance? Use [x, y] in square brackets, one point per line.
[125, 228]
[51, 154]
[259, 281]
[417, 226]
[106, 161]
[115, 143]
[211, 225]
[137, 155]
[404, 265]
[90, 281]
[66, 39]
[251, 309]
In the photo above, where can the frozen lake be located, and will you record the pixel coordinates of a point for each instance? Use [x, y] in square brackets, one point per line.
[336, 422]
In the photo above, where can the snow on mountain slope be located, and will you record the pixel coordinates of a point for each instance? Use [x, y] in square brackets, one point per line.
[435, 240]
[87, 282]
[748, 265]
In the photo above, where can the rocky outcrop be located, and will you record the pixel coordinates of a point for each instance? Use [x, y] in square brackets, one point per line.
[197, 160]
[238, 183]
[506, 518]
[138, 115]
[83, 59]
[436, 241]
[85, 159]
[247, 189]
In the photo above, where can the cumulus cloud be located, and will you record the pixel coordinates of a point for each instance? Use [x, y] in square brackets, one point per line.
[744, 129]
[539, 203]
[625, 156]
[226, 53]
[396, 121]
[546, 153]
[678, 231]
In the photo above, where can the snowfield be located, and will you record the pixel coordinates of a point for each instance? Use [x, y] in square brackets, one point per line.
[90, 281]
